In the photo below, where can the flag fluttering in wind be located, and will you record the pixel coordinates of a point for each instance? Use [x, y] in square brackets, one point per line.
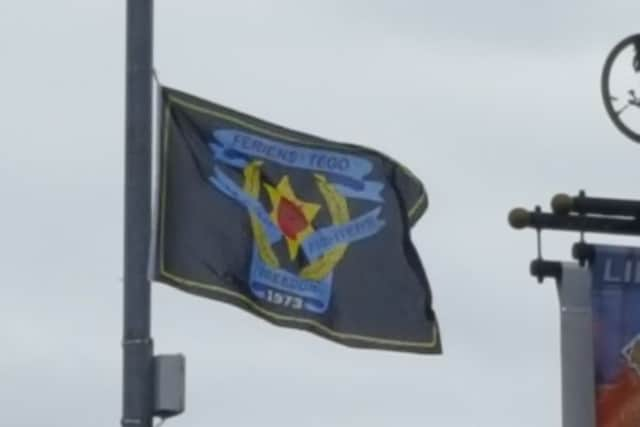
[301, 231]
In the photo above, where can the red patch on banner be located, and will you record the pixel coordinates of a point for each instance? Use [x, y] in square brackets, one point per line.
[618, 404]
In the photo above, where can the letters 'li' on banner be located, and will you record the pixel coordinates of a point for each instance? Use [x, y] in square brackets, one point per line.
[303, 232]
[616, 317]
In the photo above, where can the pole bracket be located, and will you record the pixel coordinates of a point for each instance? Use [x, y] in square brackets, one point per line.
[137, 341]
[169, 385]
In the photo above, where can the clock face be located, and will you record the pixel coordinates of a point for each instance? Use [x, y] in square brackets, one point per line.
[620, 86]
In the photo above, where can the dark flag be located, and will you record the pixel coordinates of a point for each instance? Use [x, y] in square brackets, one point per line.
[301, 231]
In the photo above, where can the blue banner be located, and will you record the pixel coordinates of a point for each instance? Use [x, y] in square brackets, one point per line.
[327, 238]
[315, 294]
[345, 171]
[616, 327]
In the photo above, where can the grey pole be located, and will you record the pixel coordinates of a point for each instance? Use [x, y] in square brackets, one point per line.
[576, 329]
[137, 407]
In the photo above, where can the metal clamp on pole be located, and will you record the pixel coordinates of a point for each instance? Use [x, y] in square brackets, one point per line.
[543, 269]
[583, 252]
[143, 341]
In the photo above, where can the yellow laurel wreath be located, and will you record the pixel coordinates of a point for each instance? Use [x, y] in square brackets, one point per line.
[339, 212]
[252, 183]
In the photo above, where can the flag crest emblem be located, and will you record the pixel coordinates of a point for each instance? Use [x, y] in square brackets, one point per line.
[301, 231]
[293, 220]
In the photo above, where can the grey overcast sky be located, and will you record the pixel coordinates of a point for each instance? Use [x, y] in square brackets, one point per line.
[492, 104]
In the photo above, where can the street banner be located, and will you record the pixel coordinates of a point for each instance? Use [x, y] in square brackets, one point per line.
[616, 331]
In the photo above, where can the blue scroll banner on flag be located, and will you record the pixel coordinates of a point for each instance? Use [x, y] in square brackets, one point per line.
[303, 232]
[616, 313]
[346, 171]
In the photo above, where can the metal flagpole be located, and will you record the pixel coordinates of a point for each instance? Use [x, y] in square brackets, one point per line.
[137, 404]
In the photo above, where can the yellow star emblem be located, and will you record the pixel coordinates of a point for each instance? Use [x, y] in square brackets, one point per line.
[292, 215]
